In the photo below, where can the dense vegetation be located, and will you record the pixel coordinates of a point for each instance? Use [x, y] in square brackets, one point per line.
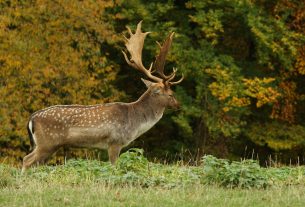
[134, 181]
[243, 61]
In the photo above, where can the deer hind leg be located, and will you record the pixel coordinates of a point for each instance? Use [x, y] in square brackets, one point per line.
[114, 152]
[43, 149]
[28, 160]
[38, 156]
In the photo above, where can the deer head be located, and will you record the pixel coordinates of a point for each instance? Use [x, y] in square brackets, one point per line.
[159, 87]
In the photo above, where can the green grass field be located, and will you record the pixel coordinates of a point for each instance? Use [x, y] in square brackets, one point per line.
[136, 182]
[35, 193]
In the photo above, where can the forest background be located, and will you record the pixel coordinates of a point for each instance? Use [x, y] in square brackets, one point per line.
[243, 60]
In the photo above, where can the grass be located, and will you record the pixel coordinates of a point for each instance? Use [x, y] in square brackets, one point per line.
[136, 182]
[98, 194]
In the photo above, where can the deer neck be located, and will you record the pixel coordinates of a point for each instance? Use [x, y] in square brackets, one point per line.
[149, 107]
[144, 114]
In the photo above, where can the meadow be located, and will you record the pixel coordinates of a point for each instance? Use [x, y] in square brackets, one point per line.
[134, 181]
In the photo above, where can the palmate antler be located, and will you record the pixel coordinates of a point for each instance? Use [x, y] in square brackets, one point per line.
[134, 46]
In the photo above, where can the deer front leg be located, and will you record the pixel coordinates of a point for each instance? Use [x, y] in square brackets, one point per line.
[114, 152]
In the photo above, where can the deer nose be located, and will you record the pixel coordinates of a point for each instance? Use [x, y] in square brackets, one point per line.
[176, 104]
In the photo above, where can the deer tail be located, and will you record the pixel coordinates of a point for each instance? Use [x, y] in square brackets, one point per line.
[30, 128]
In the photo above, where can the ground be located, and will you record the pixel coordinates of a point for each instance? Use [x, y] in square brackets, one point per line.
[35, 193]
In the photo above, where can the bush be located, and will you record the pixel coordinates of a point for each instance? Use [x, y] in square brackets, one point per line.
[245, 174]
[133, 169]
[132, 161]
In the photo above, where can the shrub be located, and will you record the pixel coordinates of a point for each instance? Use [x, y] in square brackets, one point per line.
[245, 174]
[132, 161]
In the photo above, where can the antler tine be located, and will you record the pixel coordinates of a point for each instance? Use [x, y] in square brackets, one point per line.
[158, 43]
[172, 76]
[168, 81]
[161, 57]
[177, 82]
[134, 46]
[129, 30]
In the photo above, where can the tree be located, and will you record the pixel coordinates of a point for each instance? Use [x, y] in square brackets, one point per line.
[235, 56]
[51, 52]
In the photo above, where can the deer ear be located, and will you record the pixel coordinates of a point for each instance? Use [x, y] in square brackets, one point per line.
[147, 82]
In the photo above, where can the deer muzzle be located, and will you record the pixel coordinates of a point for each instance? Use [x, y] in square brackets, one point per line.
[174, 104]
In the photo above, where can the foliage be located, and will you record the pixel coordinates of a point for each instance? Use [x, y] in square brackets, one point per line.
[277, 136]
[245, 63]
[132, 168]
[213, 171]
[246, 173]
[133, 161]
[235, 56]
[51, 53]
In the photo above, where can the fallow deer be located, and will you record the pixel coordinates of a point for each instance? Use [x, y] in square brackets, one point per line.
[106, 126]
